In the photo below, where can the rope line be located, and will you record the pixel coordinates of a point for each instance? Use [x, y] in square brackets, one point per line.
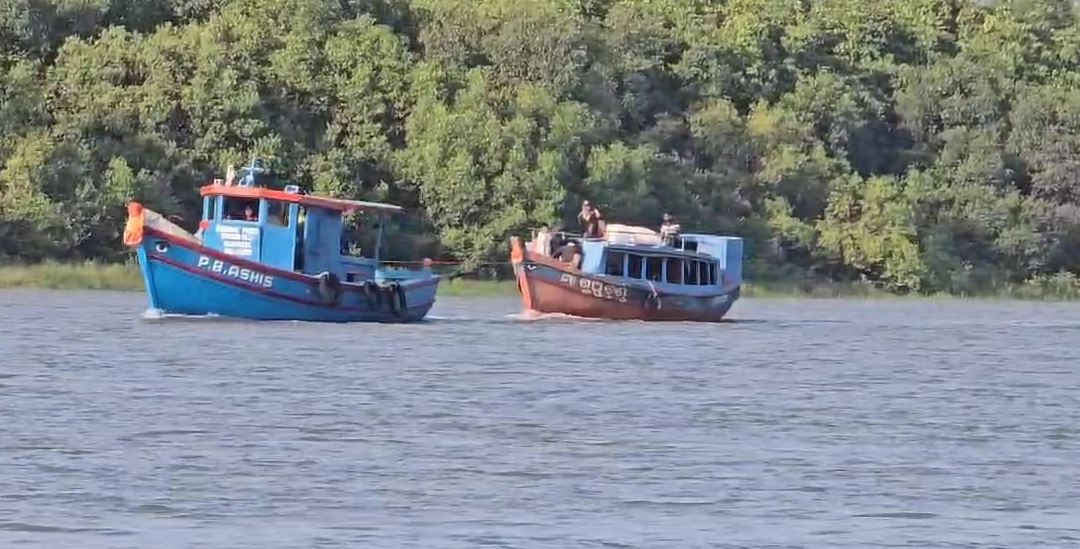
[433, 262]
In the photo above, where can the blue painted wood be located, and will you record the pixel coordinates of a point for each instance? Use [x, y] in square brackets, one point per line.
[183, 278]
[723, 255]
[288, 264]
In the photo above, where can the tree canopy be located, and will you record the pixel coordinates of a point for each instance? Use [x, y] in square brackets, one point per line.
[922, 145]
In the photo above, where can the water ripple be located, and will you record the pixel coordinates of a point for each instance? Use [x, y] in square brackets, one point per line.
[812, 423]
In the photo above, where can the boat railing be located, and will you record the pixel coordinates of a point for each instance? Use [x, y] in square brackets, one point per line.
[545, 242]
[542, 240]
[614, 236]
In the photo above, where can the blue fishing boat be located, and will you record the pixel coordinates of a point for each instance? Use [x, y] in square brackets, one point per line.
[631, 273]
[273, 254]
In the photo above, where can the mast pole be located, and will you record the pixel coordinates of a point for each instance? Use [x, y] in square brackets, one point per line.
[378, 238]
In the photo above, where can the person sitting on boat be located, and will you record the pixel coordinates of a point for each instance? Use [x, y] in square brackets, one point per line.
[249, 213]
[569, 253]
[669, 230]
[542, 240]
[591, 220]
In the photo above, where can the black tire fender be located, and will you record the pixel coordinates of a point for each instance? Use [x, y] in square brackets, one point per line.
[373, 294]
[329, 288]
[398, 302]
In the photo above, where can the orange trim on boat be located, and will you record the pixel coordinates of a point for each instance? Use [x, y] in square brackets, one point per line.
[293, 198]
[133, 230]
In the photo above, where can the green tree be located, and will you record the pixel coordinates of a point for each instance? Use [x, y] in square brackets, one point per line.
[925, 145]
[490, 164]
[870, 228]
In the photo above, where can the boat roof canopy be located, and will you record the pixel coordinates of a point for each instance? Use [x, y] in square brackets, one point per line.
[336, 204]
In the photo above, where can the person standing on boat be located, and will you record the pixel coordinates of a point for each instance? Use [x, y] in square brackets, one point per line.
[591, 221]
[230, 176]
[542, 240]
[669, 230]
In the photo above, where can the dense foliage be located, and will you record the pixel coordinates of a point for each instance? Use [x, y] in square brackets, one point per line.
[928, 145]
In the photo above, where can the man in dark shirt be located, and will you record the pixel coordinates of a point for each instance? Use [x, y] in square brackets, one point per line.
[591, 221]
[569, 253]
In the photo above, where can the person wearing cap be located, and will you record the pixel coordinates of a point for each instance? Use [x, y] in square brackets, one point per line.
[669, 230]
[592, 222]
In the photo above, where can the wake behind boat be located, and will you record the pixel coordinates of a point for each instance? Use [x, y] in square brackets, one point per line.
[631, 274]
[267, 254]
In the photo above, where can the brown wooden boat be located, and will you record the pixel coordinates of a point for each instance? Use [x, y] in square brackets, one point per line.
[631, 275]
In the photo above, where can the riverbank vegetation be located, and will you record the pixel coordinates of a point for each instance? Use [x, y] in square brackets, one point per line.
[912, 146]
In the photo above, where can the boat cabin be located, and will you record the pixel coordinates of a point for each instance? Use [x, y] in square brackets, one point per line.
[288, 230]
[637, 253]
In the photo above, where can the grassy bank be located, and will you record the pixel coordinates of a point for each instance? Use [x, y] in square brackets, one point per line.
[463, 287]
[71, 276]
[777, 289]
[96, 276]
[1060, 287]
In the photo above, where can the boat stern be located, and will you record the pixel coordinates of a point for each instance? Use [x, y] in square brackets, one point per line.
[420, 287]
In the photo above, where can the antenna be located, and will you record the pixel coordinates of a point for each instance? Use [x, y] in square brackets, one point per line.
[250, 171]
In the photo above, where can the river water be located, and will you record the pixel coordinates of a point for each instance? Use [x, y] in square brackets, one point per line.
[801, 423]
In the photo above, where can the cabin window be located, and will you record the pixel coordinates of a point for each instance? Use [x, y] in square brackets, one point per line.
[690, 272]
[278, 213]
[240, 209]
[634, 269]
[654, 267]
[703, 272]
[690, 245]
[712, 273]
[675, 271]
[360, 234]
[615, 265]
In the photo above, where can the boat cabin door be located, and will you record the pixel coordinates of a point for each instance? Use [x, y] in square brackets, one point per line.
[298, 237]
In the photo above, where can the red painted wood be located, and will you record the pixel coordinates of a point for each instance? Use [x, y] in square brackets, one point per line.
[302, 199]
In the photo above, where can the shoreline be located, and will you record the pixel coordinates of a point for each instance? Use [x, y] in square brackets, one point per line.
[126, 277]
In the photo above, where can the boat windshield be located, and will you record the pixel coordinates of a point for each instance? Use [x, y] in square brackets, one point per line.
[693, 271]
[240, 209]
[360, 234]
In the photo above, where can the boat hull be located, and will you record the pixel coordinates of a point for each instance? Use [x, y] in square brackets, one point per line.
[183, 277]
[549, 286]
